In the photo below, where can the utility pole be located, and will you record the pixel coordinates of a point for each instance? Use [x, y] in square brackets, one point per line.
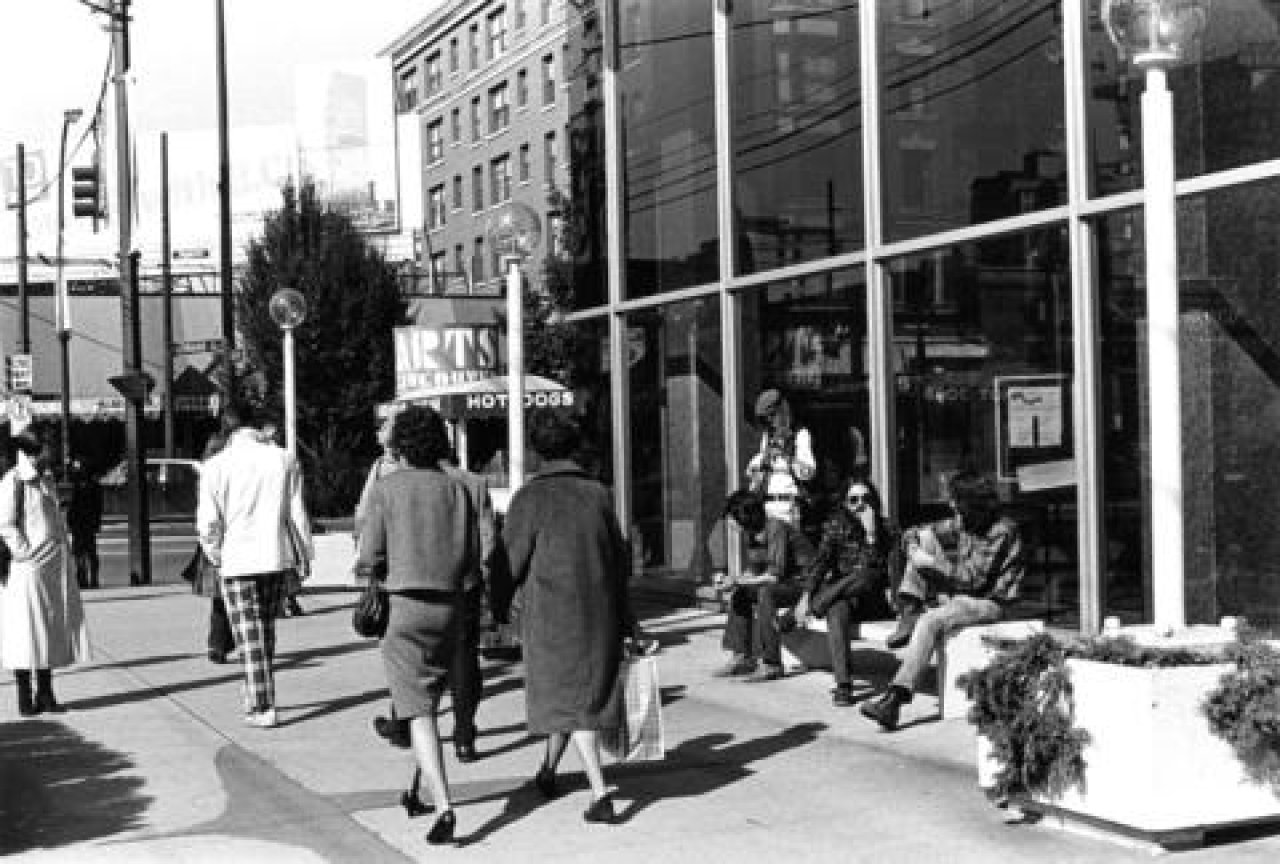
[224, 203]
[24, 301]
[166, 282]
[132, 383]
[63, 311]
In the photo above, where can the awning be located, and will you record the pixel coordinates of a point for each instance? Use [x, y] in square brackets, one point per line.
[486, 397]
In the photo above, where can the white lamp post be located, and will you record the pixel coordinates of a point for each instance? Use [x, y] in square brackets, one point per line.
[1154, 34]
[514, 233]
[288, 309]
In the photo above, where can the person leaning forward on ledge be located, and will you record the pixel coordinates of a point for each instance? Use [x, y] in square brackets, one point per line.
[972, 563]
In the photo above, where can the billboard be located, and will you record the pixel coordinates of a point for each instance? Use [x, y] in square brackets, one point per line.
[345, 118]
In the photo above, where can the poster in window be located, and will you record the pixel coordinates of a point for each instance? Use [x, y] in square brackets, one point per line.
[1033, 421]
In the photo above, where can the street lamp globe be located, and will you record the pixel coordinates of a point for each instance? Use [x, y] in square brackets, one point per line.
[1154, 33]
[288, 308]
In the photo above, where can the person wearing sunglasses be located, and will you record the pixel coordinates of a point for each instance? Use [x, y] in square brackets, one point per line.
[972, 565]
[848, 577]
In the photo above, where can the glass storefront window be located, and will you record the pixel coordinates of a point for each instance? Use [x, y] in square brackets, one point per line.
[982, 351]
[972, 108]
[581, 215]
[677, 439]
[667, 95]
[797, 132]
[807, 338]
[1229, 341]
[589, 380]
[1226, 98]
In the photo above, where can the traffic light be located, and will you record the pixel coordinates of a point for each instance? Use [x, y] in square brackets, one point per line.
[86, 191]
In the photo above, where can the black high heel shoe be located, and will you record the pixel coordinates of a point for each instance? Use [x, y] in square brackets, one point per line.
[409, 800]
[545, 780]
[442, 831]
[601, 811]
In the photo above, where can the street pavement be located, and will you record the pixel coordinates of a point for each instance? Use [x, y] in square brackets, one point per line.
[153, 764]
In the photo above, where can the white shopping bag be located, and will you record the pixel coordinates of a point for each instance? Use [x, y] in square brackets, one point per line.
[641, 736]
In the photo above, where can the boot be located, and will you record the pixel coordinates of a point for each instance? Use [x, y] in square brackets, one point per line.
[886, 709]
[26, 705]
[901, 635]
[44, 693]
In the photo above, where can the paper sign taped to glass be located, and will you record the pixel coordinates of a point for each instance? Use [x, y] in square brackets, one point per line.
[641, 737]
[1033, 425]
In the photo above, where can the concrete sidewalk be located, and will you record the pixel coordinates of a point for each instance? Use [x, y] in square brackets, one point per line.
[153, 763]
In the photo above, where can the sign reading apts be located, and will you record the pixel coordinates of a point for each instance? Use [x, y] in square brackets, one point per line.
[438, 356]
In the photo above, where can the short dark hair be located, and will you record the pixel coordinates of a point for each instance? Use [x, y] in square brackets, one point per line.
[418, 434]
[237, 414]
[553, 434]
[976, 499]
[747, 509]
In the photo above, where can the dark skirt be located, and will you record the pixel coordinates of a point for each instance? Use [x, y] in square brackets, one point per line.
[418, 647]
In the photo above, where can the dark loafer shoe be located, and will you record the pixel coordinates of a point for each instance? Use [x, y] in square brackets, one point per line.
[465, 751]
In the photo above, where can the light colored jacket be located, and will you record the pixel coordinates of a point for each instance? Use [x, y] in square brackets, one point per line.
[250, 494]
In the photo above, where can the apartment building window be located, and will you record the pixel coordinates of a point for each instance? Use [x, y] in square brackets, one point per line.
[477, 189]
[549, 157]
[522, 88]
[457, 191]
[521, 18]
[438, 263]
[477, 262]
[435, 140]
[524, 162]
[544, 11]
[476, 132]
[473, 45]
[496, 29]
[499, 109]
[436, 217]
[459, 259]
[549, 79]
[435, 75]
[500, 179]
[455, 125]
[453, 55]
[408, 90]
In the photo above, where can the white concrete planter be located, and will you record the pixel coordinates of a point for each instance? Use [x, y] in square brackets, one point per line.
[1152, 765]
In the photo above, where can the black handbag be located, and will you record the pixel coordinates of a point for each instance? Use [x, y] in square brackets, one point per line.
[373, 609]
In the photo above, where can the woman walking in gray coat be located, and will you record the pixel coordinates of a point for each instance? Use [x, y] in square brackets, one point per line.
[569, 559]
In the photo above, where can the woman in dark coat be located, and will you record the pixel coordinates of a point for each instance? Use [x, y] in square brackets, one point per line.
[569, 559]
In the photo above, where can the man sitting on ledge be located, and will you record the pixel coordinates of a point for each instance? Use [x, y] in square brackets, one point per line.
[972, 562]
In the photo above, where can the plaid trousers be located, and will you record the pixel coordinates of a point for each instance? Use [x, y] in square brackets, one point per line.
[253, 604]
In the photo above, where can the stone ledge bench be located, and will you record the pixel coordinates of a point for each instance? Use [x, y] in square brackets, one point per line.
[960, 653]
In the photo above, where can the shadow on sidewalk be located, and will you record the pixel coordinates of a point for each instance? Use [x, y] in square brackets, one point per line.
[58, 788]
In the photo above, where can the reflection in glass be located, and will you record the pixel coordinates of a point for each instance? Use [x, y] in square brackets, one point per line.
[972, 106]
[669, 171]
[1230, 347]
[982, 352]
[677, 439]
[807, 338]
[579, 219]
[1226, 99]
[797, 132]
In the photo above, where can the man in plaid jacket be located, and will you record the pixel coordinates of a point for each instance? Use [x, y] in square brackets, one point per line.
[973, 563]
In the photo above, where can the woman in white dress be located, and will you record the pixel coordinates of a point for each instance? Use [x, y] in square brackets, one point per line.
[42, 623]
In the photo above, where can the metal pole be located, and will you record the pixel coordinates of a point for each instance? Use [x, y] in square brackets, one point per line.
[135, 453]
[1162, 352]
[166, 295]
[63, 312]
[24, 302]
[515, 377]
[224, 197]
[290, 396]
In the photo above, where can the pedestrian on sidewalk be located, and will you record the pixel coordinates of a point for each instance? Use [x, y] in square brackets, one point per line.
[42, 622]
[969, 565]
[84, 520]
[420, 529]
[570, 559]
[269, 432]
[207, 582]
[250, 499]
